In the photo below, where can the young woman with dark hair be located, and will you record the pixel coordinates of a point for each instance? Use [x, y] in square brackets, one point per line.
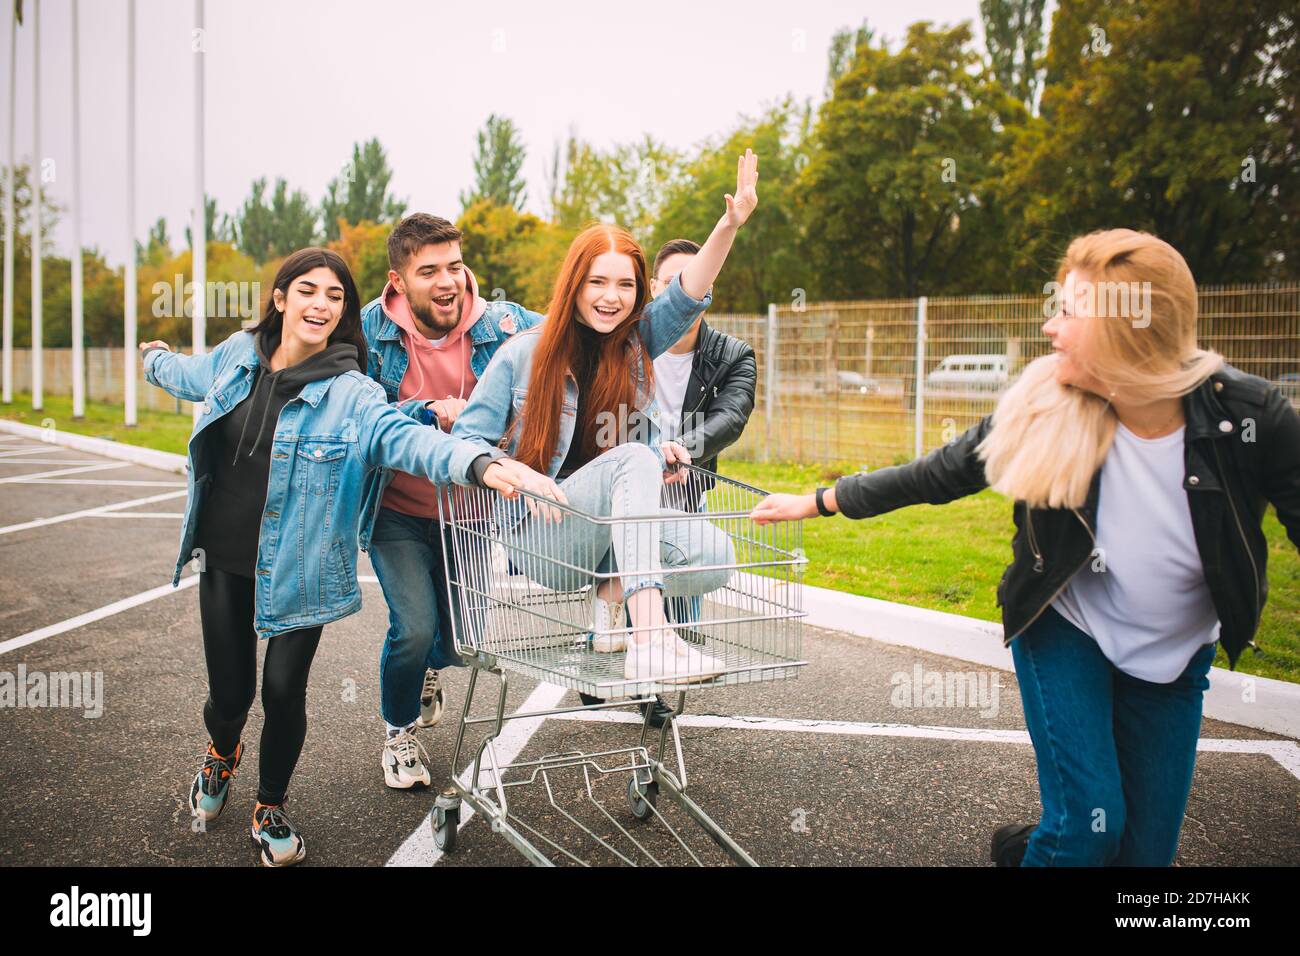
[290, 428]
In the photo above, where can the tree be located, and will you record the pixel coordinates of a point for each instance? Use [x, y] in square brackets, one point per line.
[495, 245]
[627, 185]
[497, 162]
[361, 193]
[217, 227]
[1174, 118]
[267, 230]
[51, 211]
[158, 248]
[843, 50]
[1013, 36]
[364, 247]
[764, 265]
[898, 191]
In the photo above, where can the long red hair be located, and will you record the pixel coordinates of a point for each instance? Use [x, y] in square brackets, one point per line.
[612, 390]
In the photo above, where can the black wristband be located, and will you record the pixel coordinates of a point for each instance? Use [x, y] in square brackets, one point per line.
[821, 505]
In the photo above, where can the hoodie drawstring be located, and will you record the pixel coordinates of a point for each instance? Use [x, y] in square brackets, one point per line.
[266, 408]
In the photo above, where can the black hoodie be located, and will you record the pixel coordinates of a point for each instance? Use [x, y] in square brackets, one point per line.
[239, 446]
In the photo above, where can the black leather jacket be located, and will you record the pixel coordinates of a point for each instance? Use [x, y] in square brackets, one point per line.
[719, 396]
[1241, 449]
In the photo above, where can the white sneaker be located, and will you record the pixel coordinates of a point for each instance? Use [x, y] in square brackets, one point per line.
[431, 700]
[606, 616]
[666, 658]
[404, 761]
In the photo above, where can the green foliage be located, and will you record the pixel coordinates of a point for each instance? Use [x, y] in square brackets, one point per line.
[497, 164]
[361, 193]
[1013, 36]
[513, 255]
[268, 229]
[1174, 118]
[898, 192]
[764, 265]
[217, 227]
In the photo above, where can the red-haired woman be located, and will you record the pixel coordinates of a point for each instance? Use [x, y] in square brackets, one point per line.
[574, 399]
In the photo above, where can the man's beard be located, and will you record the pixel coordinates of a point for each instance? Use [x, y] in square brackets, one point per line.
[424, 313]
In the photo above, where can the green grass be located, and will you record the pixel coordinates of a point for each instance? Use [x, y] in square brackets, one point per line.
[945, 558]
[950, 558]
[165, 431]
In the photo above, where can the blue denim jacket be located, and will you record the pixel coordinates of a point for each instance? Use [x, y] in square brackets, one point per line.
[499, 397]
[387, 363]
[327, 440]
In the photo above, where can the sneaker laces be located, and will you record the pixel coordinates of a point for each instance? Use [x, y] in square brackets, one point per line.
[406, 747]
[274, 822]
[430, 689]
[216, 769]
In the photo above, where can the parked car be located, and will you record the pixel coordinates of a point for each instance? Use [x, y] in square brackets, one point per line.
[857, 382]
[969, 373]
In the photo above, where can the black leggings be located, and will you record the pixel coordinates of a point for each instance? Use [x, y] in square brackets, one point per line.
[230, 646]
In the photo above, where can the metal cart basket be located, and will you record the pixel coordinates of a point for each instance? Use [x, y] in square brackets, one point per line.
[522, 585]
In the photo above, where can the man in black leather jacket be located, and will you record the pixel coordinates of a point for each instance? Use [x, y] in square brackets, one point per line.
[709, 410]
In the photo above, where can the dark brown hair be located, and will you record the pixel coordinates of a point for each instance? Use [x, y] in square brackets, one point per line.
[304, 260]
[674, 247]
[414, 233]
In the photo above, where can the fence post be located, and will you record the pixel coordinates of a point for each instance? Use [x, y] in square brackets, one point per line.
[769, 382]
[919, 386]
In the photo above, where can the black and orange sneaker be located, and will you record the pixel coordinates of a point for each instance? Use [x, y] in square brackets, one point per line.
[211, 787]
[277, 839]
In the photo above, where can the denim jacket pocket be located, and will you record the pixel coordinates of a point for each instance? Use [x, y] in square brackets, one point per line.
[318, 465]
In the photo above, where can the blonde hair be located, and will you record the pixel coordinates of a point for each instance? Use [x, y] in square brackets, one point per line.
[1048, 439]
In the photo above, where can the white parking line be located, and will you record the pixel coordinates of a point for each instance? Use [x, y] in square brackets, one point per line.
[51, 461]
[1285, 752]
[419, 848]
[26, 449]
[139, 514]
[108, 610]
[103, 466]
[103, 482]
[91, 512]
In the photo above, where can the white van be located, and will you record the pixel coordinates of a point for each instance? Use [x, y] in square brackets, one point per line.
[969, 372]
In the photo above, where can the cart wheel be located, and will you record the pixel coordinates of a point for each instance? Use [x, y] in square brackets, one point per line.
[446, 828]
[641, 797]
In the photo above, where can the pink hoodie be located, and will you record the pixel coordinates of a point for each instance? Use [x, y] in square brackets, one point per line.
[434, 372]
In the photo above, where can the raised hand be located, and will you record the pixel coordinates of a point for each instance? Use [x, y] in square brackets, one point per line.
[741, 205]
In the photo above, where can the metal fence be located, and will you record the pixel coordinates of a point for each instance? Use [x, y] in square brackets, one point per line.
[837, 381]
[104, 368]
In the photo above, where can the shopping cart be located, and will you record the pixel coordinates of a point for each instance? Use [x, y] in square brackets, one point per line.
[521, 590]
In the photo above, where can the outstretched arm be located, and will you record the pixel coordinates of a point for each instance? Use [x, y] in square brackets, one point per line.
[187, 377]
[945, 474]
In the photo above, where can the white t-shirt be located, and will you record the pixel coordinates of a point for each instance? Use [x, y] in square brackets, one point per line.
[672, 375]
[1150, 609]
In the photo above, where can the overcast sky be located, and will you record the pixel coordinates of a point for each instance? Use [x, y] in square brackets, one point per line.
[291, 84]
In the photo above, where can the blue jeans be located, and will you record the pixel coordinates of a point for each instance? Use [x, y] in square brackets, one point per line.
[625, 481]
[407, 554]
[1115, 753]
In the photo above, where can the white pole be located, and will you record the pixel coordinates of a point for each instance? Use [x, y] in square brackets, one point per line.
[199, 228]
[919, 440]
[78, 305]
[8, 334]
[769, 382]
[37, 359]
[129, 358]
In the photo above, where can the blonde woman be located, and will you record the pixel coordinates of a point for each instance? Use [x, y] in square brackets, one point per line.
[1140, 466]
